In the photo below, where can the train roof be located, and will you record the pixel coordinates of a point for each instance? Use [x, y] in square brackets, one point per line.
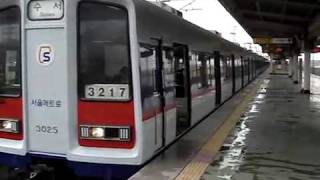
[154, 22]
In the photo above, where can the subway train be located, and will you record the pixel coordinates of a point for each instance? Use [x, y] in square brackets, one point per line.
[102, 86]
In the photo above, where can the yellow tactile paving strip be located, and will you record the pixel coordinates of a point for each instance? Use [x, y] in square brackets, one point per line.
[202, 160]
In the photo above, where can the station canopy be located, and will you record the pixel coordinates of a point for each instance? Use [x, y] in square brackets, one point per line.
[274, 23]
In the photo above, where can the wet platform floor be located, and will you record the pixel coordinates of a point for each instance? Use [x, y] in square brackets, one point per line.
[277, 138]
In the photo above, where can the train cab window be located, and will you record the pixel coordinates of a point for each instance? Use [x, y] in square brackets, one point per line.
[10, 59]
[104, 65]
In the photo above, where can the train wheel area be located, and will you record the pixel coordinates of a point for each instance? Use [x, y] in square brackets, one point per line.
[269, 131]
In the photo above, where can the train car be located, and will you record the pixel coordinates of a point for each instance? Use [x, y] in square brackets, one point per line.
[104, 85]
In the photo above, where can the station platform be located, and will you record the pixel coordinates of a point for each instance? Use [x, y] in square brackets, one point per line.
[269, 130]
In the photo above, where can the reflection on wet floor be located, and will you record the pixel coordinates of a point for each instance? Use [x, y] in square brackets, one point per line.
[277, 138]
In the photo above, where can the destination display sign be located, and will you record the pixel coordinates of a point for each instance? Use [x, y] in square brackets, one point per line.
[46, 9]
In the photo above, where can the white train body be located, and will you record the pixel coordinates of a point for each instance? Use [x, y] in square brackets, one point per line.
[107, 82]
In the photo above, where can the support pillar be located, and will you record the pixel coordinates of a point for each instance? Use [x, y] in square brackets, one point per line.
[283, 65]
[295, 69]
[307, 71]
[300, 70]
[271, 63]
[290, 68]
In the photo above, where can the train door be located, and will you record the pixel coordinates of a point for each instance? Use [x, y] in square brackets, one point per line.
[183, 94]
[159, 99]
[152, 91]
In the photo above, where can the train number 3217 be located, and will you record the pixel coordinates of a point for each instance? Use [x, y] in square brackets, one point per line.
[107, 92]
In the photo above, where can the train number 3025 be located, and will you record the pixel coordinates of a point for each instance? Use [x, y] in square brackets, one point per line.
[47, 129]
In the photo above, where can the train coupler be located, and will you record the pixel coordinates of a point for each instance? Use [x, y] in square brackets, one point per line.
[34, 172]
[41, 172]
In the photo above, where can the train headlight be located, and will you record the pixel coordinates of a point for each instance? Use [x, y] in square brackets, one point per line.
[114, 133]
[9, 125]
[97, 132]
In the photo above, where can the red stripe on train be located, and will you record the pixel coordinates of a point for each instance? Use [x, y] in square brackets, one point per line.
[155, 111]
[11, 108]
[150, 113]
[203, 92]
[107, 114]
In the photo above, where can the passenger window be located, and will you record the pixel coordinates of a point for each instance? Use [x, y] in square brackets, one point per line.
[104, 61]
[228, 67]
[202, 62]
[198, 68]
[208, 72]
[148, 67]
[212, 70]
[169, 68]
[10, 47]
[223, 66]
[193, 66]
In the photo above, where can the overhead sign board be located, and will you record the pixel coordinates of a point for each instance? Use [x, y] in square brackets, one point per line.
[269, 40]
[281, 41]
[261, 40]
[46, 9]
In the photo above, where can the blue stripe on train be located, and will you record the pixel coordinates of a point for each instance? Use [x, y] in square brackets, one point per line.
[108, 171]
[79, 168]
[14, 160]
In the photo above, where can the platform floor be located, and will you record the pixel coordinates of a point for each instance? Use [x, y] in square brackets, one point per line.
[276, 138]
[269, 131]
[171, 163]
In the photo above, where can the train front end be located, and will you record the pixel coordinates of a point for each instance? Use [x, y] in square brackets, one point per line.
[69, 90]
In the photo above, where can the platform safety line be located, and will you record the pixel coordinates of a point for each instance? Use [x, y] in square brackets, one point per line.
[195, 169]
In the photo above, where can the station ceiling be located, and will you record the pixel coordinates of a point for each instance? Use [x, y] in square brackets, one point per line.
[276, 18]
[280, 18]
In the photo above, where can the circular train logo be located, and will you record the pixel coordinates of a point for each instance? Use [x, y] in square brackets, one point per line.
[45, 54]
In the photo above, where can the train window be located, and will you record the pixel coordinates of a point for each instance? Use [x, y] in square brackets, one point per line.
[148, 68]
[198, 66]
[228, 67]
[212, 73]
[10, 59]
[202, 64]
[104, 66]
[193, 66]
[169, 68]
[209, 70]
